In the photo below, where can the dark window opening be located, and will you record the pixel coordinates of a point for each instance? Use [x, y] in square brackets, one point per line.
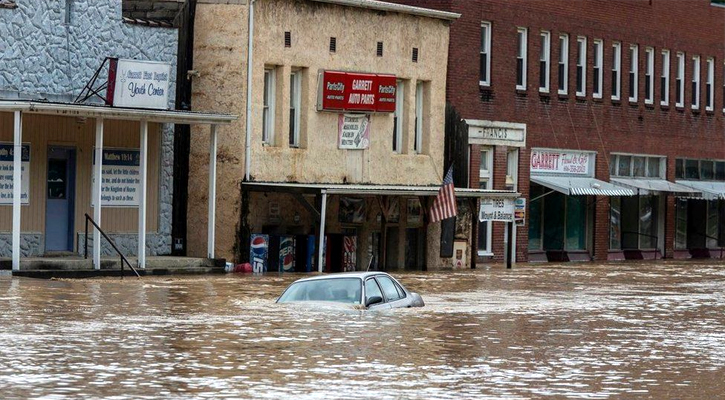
[288, 39]
[333, 44]
[415, 54]
[380, 49]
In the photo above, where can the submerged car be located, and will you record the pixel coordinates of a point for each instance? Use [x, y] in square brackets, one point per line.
[372, 290]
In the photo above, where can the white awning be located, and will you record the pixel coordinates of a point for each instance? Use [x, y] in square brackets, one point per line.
[386, 190]
[710, 190]
[580, 186]
[645, 187]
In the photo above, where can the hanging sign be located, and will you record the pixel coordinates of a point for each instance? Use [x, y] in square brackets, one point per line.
[496, 209]
[121, 178]
[7, 154]
[350, 91]
[354, 131]
[561, 162]
[138, 84]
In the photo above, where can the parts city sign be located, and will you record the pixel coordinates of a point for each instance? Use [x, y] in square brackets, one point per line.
[352, 91]
[138, 84]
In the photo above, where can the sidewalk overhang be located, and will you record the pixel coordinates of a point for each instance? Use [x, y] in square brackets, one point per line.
[644, 187]
[710, 190]
[369, 190]
[581, 186]
[119, 113]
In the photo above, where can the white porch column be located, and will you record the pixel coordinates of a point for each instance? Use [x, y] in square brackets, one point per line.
[143, 172]
[17, 187]
[212, 192]
[98, 174]
[321, 241]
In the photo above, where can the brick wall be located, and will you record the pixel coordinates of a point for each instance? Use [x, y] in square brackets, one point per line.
[602, 125]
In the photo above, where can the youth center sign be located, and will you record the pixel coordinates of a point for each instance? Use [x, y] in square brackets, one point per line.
[138, 84]
[351, 91]
[121, 182]
[7, 154]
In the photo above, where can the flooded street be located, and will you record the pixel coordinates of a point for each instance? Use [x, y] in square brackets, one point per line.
[578, 331]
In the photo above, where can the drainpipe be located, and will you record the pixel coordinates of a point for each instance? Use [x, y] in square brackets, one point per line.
[250, 58]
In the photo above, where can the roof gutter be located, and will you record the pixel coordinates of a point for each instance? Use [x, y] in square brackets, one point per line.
[392, 7]
[250, 59]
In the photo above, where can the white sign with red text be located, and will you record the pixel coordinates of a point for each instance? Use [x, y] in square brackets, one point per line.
[561, 162]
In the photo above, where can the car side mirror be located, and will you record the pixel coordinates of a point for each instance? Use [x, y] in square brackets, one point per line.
[373, 300]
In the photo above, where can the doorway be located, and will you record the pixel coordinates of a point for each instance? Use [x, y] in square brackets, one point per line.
[60, 199]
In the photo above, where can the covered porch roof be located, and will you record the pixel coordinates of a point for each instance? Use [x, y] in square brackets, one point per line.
[370, 190]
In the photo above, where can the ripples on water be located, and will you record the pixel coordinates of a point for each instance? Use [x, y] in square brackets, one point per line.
[577, 331]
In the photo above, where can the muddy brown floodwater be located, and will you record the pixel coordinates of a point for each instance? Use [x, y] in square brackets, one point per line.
[578, 331]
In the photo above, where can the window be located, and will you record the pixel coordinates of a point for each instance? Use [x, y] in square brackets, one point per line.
[709, 85]
[268, 110]
[723, 89]
[389, 289]
[512, 163]
[699, 169]
[545, 62]
[598, 71]
[485, 72]
[563, 63]
[637, 166]
[633, 71]
[372, 289]
[521, 40]
[418, 145]
[485, 179]
[294, 108]
[680, 81]
[581, 66]
[649, 75]
[665, 79]
[695, 82]
[398, 118]
[616, 70]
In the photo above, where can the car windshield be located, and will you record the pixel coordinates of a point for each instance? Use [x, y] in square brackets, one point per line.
[342, 290]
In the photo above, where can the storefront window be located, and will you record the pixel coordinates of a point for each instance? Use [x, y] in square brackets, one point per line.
[679, 169]
[553, 220]
[707, 170]
[615, 223]
[713, 222]
[648, 222]
[638, 166]
[625, 166]
[535, 208]
[681, 224]
[653, 167]
[692, 169]
[720, 170]
[576, 223]
[484, 182]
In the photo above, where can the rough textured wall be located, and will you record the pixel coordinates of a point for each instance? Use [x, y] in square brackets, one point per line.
[42, 56]
[220, 58]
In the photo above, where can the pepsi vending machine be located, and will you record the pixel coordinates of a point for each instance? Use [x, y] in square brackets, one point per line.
[259, 253]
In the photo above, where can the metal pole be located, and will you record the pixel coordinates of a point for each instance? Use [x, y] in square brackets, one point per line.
[143, 171]
[98, 175]
[250, 64]
[212, 192]
[17, 187]
[509, 244]
[85, 246]
[321, 239]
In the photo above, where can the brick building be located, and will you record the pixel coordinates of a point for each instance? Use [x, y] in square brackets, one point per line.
[620, 104]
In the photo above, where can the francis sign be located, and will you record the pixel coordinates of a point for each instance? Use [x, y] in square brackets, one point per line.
[138, 84]
[496, 209]
[350, 91]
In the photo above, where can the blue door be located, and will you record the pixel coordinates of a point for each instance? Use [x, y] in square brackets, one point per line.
[60, 196]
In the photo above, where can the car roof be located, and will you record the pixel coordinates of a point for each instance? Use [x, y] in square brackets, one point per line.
[342, 275]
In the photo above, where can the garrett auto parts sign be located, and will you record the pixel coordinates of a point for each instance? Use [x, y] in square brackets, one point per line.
[352, 91]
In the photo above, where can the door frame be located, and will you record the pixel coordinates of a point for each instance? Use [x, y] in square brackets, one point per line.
[71, 193]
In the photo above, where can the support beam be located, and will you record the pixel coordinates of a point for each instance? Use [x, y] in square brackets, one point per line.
[309, 207]
[321, 239]
[17, 186]
[212, 192]
[143, 172]
[98, 182]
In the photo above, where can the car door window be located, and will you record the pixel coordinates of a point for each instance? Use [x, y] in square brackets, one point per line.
[401, 292]
[388, 286]
[372, 289]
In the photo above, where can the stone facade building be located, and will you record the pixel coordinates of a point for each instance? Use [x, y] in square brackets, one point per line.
[622, 106]
[48, 52]
[378, 191]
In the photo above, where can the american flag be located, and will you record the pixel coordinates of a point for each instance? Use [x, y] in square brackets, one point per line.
[444, 205]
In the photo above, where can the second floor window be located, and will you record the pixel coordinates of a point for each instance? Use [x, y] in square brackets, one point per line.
[521, 41]
[563, 63]
[649, 75]
[633, 71]
[665, 78]
[268, 110]
[581, 66]
[598, 73]
[544, 62]
[680, 81]
[709, 85]
[695, 82]
[485, 62]
[418, 140]
[398, 118]
[294, 108]
[616, 70]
